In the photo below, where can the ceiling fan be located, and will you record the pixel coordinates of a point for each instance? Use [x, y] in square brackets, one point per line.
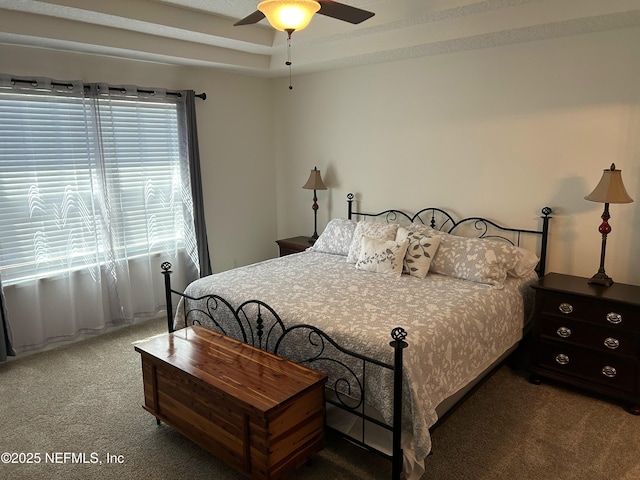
[294, 15]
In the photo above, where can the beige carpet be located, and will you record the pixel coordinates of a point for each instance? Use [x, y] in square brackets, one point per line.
[86, 398]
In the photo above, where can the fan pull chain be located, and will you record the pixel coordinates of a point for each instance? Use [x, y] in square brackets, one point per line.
[288, 62]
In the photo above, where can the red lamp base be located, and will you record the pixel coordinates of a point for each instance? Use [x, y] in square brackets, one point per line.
[602, 278]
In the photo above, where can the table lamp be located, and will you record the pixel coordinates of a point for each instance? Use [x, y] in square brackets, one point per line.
[314, 183]
[609, 190]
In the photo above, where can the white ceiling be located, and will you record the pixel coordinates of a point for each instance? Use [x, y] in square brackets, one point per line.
[201, 32]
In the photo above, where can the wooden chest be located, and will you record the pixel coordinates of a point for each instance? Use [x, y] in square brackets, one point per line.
[261, 414]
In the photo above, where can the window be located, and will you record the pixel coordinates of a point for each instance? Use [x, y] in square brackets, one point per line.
[87, 180]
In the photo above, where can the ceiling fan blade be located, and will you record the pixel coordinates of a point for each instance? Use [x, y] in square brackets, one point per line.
[343, 12]
[255, 17]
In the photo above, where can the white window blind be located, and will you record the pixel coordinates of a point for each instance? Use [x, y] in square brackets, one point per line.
[77, 174]
[141, 154]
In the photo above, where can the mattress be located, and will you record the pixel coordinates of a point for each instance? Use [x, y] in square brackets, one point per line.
[456, 328]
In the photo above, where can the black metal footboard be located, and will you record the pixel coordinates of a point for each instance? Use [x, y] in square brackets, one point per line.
[256, 323]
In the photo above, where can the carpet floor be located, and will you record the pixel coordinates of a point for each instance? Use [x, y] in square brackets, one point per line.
[83, 402]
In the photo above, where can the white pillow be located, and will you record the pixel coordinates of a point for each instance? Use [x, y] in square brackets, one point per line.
[336, 237]
[382, 256]
[380, 230]
[420, 252]
[527, 262]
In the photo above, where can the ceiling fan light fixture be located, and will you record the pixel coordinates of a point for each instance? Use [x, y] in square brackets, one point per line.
[286, 15]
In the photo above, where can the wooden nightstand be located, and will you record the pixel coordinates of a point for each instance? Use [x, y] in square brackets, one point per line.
[588, 336]
[294, 245]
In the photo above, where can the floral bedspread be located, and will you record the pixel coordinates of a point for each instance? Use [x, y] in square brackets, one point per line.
[456, 328]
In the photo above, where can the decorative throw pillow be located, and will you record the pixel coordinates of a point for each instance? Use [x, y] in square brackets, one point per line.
[382, 256]
[336, 237]
[380, 230]
[475, 259]
[420, 251]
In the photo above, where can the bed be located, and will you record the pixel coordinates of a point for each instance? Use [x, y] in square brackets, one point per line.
[405, 313]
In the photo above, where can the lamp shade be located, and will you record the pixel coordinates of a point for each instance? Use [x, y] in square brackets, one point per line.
[315, 181]
[286, 15]
[610, 189]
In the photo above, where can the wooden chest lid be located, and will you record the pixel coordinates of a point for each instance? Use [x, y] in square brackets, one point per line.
[249, 375]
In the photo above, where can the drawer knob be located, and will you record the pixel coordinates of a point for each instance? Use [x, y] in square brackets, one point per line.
[609, 371]
[614, 318]
[562, 359]
[611, 343]
[564, 332]
[566, 308]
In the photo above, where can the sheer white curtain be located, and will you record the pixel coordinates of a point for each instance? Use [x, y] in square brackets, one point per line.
[94, 196]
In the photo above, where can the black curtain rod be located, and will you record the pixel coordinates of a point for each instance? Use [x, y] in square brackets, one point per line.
[34, 83]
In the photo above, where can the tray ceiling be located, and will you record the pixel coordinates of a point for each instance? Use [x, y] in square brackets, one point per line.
[201, 32]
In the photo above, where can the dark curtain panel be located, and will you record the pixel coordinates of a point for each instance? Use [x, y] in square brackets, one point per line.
[196, 185]
[6, 348]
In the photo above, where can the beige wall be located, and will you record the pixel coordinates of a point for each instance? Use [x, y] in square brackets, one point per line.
[497, 132]
[235, 135]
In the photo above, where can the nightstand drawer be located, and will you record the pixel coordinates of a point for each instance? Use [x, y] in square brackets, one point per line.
[591, 310]
[604, 339]
[608, 370]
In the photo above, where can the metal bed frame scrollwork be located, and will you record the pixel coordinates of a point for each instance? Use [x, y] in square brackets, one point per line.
[258, 324]
[441, 220]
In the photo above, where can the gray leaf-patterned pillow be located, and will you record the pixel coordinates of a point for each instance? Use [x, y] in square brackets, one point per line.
[336, 237]
[475, 259]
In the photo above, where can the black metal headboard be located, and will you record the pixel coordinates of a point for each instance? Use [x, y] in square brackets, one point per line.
[441, 220]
